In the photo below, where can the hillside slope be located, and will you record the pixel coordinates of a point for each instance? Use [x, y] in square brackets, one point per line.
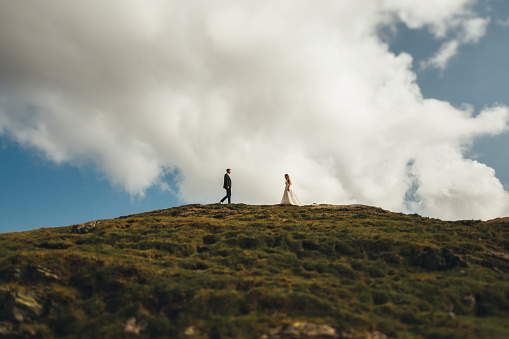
[240, 271]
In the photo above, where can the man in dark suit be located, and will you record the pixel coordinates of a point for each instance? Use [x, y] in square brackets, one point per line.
[227, 185]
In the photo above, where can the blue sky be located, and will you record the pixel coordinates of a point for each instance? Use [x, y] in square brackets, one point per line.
[38, 193]
[57, 182]
[478, 76]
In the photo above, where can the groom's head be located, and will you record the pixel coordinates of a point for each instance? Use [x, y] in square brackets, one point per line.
[228, 170]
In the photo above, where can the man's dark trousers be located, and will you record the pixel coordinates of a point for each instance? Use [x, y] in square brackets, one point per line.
[228, 195]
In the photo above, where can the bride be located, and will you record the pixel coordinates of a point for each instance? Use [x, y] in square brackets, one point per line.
[289, 197]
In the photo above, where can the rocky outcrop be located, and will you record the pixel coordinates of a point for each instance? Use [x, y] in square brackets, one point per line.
[86, 227]
[42, 273]
[302, 330]
[375, 335]
[30, 274]
[192, 331]
[9, 331]
[500, 255]
[132, 325]
[19, 307]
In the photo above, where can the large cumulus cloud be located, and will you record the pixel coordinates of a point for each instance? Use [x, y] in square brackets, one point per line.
[141, 89]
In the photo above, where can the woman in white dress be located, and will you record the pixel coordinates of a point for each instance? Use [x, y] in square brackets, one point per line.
[289, 197]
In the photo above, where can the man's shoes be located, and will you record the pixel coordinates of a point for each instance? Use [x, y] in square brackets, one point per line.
[220, 202]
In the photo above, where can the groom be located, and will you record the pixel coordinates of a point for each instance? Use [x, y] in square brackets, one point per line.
[227, 185]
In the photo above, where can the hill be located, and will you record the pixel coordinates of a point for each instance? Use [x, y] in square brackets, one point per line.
[241, 271]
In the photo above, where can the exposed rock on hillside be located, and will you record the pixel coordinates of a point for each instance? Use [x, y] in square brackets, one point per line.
[19, 307]
[300, 330]
[85, 228]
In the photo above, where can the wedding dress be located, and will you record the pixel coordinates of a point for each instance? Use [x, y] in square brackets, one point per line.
[289, 197]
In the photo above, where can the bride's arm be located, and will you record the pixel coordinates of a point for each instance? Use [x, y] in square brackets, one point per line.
[289, 184]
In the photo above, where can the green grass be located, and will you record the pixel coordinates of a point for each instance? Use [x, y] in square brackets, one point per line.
[240, 271]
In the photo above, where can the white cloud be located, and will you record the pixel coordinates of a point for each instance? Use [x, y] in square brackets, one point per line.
[471, 31]
[474, 29]
[140, 89]
[439, 16]
[443, 19]
[442, 57]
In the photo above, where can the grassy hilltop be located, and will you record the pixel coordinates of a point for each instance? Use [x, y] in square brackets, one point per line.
[240, 271]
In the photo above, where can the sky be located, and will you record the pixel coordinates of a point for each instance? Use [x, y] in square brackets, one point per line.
[118, 107]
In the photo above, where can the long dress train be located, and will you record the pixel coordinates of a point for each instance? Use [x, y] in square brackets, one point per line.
[289, 197]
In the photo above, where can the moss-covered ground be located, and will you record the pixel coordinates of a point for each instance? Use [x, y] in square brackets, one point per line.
[242, 271]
